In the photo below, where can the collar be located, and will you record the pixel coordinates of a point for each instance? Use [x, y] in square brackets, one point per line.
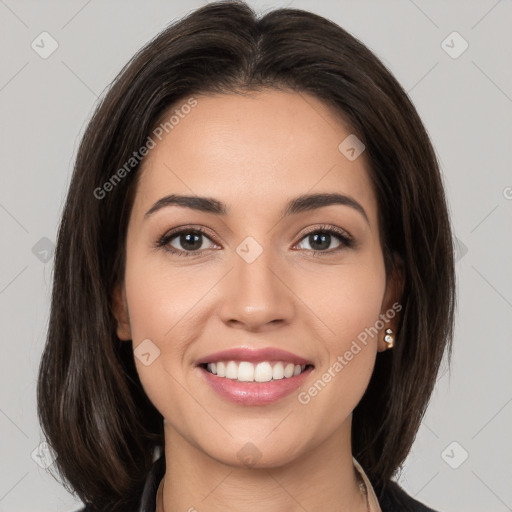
[156, 473]
[372, 498]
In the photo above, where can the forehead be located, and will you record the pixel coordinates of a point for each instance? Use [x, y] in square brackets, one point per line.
[252, 150]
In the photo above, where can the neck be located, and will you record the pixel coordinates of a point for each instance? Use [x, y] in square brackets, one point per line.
[321, 480]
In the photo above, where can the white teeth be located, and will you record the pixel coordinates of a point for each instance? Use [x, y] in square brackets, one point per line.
[245, 372]
[221, 369]
[232, 370]
[288, 370]
[278, 371]
[261, 372]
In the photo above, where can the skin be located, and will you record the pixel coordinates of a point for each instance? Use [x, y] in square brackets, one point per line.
[254, 153]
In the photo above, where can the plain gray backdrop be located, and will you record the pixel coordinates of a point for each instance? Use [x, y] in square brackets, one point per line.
[454, 60]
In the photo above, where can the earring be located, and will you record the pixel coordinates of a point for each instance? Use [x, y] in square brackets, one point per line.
[389, 338]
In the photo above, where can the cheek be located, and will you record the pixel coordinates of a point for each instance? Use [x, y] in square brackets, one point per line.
[161, 298]
[166, 307]
[348, 302]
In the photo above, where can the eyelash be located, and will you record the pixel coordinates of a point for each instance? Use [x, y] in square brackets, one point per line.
[345, 239]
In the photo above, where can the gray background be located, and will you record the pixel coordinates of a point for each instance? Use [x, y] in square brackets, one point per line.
[466, 105]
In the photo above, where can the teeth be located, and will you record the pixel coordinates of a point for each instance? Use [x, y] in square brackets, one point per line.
[288, 370]
[263, 372]
[244, 371]
[278, 371]
[232, 370]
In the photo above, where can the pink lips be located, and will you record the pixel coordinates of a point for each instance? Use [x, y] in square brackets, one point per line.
[254, 393]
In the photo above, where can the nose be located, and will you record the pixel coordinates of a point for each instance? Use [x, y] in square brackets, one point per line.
[258, 295]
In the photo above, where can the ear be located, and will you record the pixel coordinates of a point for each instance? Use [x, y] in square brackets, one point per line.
[120, 309]
[391, 303]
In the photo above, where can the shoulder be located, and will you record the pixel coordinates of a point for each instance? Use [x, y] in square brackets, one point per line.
[396, 499]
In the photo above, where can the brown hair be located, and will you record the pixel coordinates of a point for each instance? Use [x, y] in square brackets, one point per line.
[91, 404]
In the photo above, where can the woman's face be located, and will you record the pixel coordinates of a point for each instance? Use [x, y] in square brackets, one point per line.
[252, 280]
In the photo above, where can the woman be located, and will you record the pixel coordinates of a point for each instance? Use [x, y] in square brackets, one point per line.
[254, 278]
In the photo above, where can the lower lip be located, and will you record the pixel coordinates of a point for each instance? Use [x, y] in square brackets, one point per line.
[254, 393]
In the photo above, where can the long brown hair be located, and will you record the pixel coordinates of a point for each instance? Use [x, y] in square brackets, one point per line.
[91, 404]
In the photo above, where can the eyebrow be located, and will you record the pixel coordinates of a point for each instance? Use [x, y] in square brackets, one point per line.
[303, 203]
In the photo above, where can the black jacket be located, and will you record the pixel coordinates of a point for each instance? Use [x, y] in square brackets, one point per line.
[395, 499]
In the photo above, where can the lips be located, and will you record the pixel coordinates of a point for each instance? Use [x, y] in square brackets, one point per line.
[253, 393]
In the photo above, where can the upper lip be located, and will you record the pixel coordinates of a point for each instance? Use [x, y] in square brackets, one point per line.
[254, 356]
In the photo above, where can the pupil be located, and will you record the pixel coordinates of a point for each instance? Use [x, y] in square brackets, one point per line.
[323, 238]
[187, 241]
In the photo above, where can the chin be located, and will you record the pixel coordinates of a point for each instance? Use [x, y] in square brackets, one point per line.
[258, 453]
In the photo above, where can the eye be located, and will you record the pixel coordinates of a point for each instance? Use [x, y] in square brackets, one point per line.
[320, 239]
[185, 242]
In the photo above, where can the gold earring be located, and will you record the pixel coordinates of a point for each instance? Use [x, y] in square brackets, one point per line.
[389, 338]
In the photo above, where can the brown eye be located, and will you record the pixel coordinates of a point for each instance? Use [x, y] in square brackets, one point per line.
[185, 242]
[189, 241]
[321, 240]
